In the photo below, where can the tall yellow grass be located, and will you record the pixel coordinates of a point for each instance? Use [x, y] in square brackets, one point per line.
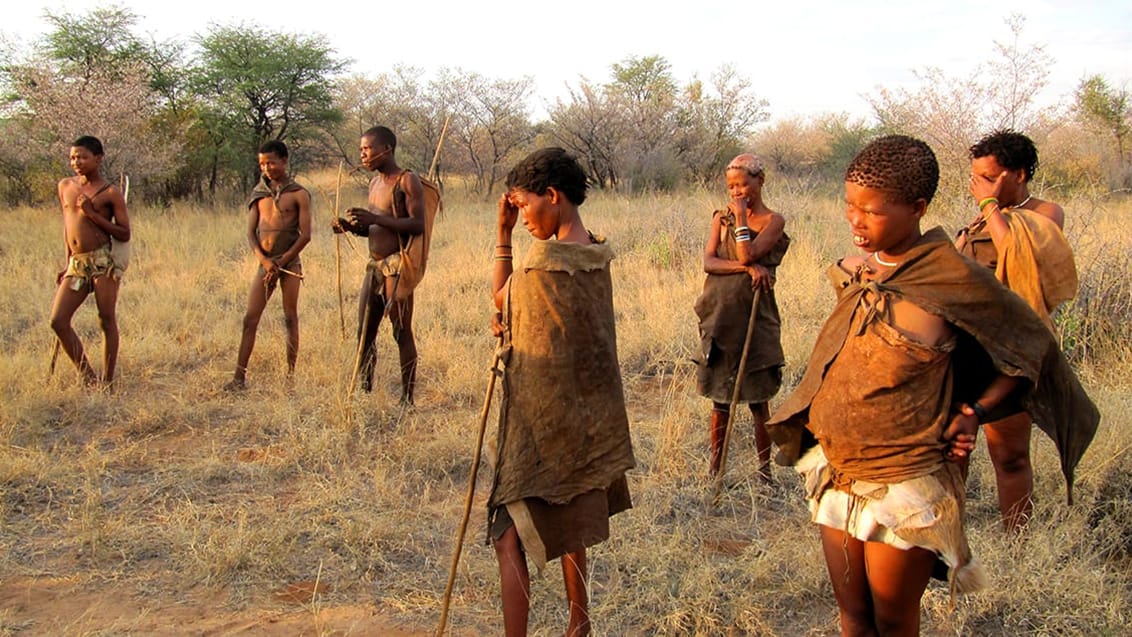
[172, 491]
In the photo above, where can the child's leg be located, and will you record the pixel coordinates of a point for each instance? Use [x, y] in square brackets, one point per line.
[574, 575]
[845, 561]
[878, 587]
[897, 579]
[63, 308]
[291, 286]
[514, 582]
[760, 413]
[257, 300]
[106, 298]
[1008, 441]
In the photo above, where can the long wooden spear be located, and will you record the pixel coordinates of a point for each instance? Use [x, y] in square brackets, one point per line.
[338, 254]
[735, 396]
[495, 371]
[436, 155]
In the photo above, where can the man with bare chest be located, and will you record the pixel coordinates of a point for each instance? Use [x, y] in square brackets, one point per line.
[94, 212]
[279, 227]
[395, 212]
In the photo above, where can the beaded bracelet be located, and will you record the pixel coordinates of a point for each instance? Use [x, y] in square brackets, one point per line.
[985, 202]
[980, 412]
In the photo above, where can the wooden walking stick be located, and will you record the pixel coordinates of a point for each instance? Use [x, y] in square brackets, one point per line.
[495, 371]
[54, 357]
[338, 255]
[735, 396]
[360, 348]
[436, 155]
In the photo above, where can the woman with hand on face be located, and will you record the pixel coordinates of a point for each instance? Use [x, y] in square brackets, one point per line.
[745, 245]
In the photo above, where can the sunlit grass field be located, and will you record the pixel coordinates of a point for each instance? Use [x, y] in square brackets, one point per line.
[169, 504]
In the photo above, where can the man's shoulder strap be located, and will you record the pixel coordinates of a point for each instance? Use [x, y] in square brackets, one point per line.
[397, 184]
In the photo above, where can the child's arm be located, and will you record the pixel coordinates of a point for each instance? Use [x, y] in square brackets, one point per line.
[253, 240]
[117, 223]
[963, 430]
[66, 244]
[501, 271]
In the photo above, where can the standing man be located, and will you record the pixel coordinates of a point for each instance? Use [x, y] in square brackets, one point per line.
[395, 213]
[279, 227]
[94, 213]
[1019, 237]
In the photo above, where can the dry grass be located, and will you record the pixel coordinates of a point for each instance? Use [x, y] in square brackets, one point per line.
[171, 506]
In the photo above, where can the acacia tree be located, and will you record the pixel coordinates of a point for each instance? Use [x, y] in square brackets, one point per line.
[403, 101]
[812, 152]
[260, 85]
[644, 92]
[490, 122]
[791, 147]
[1022, 71]
[100, 41]
[712, 125]
[951, 112]
[590, 127]
[89, 75]
[115, 105]
[1107, 111]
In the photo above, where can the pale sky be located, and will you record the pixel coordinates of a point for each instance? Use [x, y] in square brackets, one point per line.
[803, 57]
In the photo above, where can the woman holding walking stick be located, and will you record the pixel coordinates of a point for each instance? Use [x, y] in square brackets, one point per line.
[744, 247]
[563, 443]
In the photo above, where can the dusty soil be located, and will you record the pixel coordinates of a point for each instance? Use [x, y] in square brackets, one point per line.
[63, 606]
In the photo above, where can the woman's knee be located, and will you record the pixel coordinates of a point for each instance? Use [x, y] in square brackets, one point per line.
[1009, 455]
[1008, 443]
[1011, 462]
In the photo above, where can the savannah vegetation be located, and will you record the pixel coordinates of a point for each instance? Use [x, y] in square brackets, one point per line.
[298, 507]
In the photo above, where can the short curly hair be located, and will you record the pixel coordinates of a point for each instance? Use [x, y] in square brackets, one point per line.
[548, 167]
[897, 164]
[89, 142]
[1011, 149]
[274, 147]
[382, 135]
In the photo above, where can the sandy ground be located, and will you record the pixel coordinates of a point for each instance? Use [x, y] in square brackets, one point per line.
[61, 606]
